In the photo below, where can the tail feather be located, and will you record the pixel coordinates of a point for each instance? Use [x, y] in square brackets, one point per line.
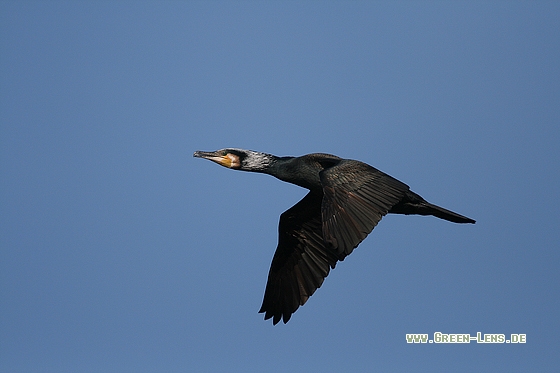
[413, 204]
[445, 214]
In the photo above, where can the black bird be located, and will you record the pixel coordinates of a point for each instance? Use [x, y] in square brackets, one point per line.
[347, 199]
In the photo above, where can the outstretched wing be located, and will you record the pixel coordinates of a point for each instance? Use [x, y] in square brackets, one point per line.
[356, 197]
[301, 261]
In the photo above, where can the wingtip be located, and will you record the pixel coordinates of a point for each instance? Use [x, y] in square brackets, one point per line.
[276, 318]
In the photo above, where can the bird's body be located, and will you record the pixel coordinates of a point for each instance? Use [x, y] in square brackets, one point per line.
[346, 200]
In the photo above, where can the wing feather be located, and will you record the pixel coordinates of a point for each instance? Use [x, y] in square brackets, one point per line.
[301, 261]
[356, 197]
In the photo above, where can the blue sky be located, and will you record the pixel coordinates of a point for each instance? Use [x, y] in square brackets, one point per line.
[119, 252]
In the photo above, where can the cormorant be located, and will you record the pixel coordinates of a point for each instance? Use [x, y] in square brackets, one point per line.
[346, 200]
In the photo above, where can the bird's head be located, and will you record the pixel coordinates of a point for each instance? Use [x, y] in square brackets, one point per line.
[238, 159]
[230, 158]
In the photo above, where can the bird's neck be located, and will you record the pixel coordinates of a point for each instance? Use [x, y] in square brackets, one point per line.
[260, 162]
[296, 170]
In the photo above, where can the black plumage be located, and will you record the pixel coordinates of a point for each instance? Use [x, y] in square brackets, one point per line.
[346, 200]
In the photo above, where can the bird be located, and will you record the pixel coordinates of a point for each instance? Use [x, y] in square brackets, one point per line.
[346, 200]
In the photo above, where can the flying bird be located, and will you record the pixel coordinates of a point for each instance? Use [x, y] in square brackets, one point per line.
[346, 200]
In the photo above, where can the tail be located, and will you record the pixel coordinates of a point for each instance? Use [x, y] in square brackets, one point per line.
[440, 212]
[413, 204]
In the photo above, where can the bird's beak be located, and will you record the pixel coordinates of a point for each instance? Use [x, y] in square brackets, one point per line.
[227, 160]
